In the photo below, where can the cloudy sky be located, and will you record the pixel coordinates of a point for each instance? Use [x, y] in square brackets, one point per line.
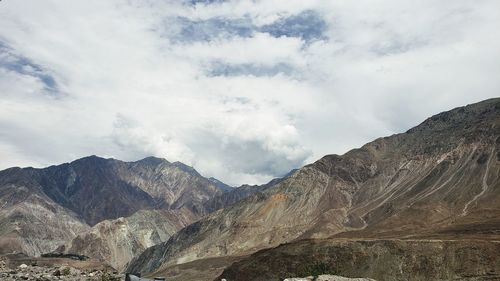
[242, 90]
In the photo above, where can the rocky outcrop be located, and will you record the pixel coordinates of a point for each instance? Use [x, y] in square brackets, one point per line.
[36, 224]
[118, 241]
[437, 179]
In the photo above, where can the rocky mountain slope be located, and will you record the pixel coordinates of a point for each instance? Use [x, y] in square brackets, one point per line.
[41, 209]
[388, 260]
[118, 241]
[439, 177]
[31, 223]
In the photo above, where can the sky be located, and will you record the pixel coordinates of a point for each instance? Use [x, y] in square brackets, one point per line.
[243, 91]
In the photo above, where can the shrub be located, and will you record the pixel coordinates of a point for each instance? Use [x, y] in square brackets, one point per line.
[109, 277]
[66, 271]
[315, 269]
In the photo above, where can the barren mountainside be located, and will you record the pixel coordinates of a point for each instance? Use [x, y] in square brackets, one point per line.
[42, 209]
[439, 179]
[118, 241]
[388, 260]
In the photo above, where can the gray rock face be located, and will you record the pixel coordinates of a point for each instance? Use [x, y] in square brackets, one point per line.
[41, 209]
[36, 225]
[118, 241]
[438, 179]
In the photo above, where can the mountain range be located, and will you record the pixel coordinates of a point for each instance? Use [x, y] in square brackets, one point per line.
[439, 180]
[92, 199]
[419, 205]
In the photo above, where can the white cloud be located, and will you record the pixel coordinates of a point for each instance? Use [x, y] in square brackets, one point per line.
[127, 88]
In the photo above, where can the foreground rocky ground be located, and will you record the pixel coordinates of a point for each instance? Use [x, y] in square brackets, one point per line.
[49, 270]
[328, 278]
[67, 272]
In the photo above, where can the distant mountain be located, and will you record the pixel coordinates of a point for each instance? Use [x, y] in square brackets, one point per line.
[235, 195]
[41, 209]
[440, 179]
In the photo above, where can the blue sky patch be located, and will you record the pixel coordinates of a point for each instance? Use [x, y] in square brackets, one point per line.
[307, 25]
[194, 2]
[222, 69]
[22, 65]
[207, 30]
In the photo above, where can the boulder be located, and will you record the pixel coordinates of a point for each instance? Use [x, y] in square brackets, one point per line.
[340, 278]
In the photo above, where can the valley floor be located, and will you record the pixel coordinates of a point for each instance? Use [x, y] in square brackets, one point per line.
[15, 267]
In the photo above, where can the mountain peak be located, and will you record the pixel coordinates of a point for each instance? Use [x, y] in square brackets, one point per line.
[483, 112]
[92, 158]
[153, 160]
[222, 186]
[185, 168]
